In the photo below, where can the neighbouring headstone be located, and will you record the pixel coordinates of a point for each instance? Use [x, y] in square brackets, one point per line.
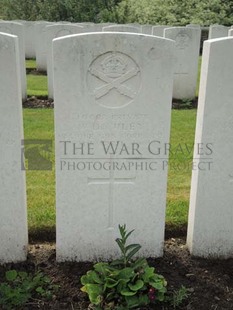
[18, 30]
[147, 29]
[230, 32]
[41, 45]
[97, 27]
[113, 96]
[30, 39]
[218, 31]
[204, 34]
[158, 30]
[210, 229]
[193, 26]
[87, 27]
[122, 28]
[52, 32]
[187, 41]
[13, 218]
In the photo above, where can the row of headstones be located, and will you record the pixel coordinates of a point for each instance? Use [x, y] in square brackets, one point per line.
[42, 34]
[118, 87]
[187, 50]
[32, 32]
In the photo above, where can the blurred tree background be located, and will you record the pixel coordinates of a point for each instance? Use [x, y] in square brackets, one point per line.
[169, 12]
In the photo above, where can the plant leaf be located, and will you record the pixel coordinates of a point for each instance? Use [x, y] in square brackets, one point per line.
[137, 286]
[128, 234]
[117, 262]
[111, 282]
[102, 268]
[126, 292]
[126, 273]
[94, 292]
[11, 275]
[121, 246]
[133, 252]
[132, 246]
[141, 262]
[132, 301]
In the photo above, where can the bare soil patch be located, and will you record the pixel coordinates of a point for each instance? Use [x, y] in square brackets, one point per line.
[209, 282]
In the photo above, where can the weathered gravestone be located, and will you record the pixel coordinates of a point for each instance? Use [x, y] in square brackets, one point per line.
[147, 29]
[230, 32]
[158, 30]
[187, 41]
[193, 26]
[113, 102]
[52, 32]
[30, 39]
[41, 45]
[210, 229]
[97, 27]
[18, 30]
[122, 28]
[218, 31]
[13, 219]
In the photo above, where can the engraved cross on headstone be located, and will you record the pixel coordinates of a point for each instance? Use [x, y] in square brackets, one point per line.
[111, 181]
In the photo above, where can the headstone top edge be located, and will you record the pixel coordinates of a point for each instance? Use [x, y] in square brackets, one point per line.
[11, 22]
[4, 35]
[218, 40]
[63, 25]
[122, 34]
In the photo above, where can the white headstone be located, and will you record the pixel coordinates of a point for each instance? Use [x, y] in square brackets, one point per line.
[41, 45]
[230, 33]
[147, 29]
[122, 28]
[218, 31]
[187, 55]
[13, 218]
[52, 32]
[18, 30]
[158, 30]
[97, 27]
[111, 89]
[29, 35]
[30, 39]
[193, 26]
[87, 27]
[210, 228]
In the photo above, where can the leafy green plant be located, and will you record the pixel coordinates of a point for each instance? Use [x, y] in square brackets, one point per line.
[178, 297]
[186, 103]
[124, 283]
[20, 287]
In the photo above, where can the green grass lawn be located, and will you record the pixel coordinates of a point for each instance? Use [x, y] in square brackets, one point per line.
[30, 64]
[37, 85]
[179, 176]
[39, 124]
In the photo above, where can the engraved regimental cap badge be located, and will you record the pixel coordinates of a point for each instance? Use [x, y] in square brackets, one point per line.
[182, 40]
[114, 80]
